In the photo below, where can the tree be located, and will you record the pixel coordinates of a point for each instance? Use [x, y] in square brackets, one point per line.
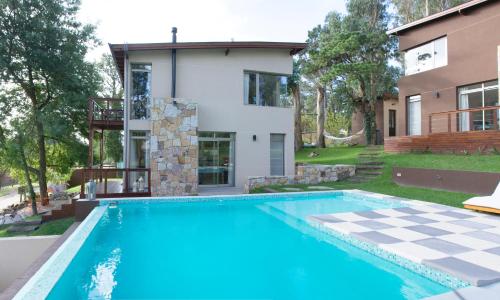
[294, 89]
[111, 88]
[13, 155]
[315, 69]
[355, 50]
[411, 10]
[42, 51]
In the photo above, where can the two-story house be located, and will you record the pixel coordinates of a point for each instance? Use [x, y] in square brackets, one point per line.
[448, 96]
[204, 113]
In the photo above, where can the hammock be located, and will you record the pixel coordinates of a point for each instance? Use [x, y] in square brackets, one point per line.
[345, 140]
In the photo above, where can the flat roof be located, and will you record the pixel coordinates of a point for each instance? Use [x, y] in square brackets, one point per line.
[446, 13]
[118, 50]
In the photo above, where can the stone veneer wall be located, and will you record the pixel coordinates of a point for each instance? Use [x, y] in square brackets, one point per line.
[305, 174]
[174, 148]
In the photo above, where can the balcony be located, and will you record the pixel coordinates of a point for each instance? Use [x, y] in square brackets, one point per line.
[105, 113]
[115, 182]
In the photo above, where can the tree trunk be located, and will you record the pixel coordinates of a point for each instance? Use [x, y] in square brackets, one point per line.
[42, 179]
[298, 118]
[320, 119]
[28, 179]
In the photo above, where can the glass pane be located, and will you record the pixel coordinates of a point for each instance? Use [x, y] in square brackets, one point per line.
[470, 87]
[414, 116]
[139, 152]
[491, 83]
[250, 83]
[269, 89]
[216, 160]
[277, 154]
[284, 99]
[425, 57]
[440, 52]
[491, 119]
[410, 57]
[141, 93]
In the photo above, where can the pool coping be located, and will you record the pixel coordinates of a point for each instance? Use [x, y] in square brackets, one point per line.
[39, 286]
[42, 282]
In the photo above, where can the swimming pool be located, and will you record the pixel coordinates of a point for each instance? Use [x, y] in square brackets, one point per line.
[260, 247]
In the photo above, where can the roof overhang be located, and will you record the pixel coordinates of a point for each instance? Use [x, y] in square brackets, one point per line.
[457, 10]
[119, 50]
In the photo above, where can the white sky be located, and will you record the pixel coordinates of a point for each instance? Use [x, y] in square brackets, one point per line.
[136, 21]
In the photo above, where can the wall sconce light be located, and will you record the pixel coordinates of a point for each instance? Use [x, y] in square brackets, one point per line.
[436, 94]
[254, 137]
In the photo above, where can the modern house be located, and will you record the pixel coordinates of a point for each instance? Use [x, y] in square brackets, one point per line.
[199, 114]
[448, 96]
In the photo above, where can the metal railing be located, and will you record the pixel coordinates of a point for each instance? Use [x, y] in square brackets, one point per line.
[463, 120]
[105, 109]
[117, 182]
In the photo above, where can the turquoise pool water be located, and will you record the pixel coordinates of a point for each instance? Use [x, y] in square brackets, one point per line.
[250, 249]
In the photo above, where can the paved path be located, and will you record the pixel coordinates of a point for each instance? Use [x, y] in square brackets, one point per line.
[456, 241]
[9, 199]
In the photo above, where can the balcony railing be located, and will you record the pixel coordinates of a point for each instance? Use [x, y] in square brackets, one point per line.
[463, 120]
[115, 182]
[105, 110]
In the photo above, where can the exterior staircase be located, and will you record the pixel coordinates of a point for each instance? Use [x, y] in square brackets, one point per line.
[369, 166]
[65, 210]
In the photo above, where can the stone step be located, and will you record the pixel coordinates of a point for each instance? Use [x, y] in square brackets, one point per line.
[368, 172]
[371, 162]
[369, 167]
[369, 154]
[17, 228]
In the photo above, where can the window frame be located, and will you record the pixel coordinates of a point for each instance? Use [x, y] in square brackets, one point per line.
[131, 81]
[433, 63]
[258, 100]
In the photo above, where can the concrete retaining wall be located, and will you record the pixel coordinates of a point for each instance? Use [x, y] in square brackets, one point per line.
[481, 183]
[18, 253]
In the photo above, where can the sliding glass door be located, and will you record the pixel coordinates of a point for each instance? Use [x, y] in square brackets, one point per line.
[477, 96]
[216, 158]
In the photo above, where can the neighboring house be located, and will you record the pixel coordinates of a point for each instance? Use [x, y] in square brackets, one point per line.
[205, 113]
[383, 107]
[449, 91]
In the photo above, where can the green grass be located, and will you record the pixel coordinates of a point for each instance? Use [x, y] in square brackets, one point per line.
[50, 228]
[384, 184]
[74, 189]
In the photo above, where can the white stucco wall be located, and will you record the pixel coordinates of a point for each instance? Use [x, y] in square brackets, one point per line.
[18, 253]
[215, 82]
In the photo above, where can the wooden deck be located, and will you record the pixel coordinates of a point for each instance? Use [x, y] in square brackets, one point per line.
[446, 142]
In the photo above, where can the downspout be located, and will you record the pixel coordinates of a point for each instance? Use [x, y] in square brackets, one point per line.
[126, 113]
[174, 61]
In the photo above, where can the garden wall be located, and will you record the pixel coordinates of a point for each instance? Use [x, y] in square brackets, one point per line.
[305, 174]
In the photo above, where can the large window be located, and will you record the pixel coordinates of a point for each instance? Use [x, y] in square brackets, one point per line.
[266, 89]
[477, 96]
[426, 57]
[414, 115]
[140, 97]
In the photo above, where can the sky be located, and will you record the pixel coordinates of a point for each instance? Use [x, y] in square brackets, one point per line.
[139, 21]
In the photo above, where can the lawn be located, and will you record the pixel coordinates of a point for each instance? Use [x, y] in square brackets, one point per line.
[49, 228]
[384, 184]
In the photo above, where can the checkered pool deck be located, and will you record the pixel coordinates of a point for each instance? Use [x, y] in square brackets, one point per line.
[459, 242]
